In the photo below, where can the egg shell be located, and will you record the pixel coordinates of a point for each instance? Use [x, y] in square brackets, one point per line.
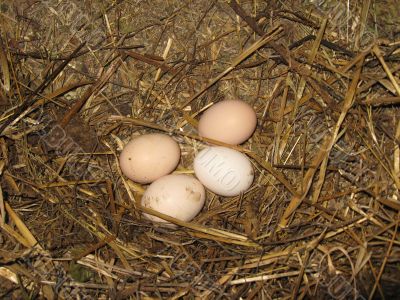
[176, 195]
[229, 121]
[149, 157]
[224, 171]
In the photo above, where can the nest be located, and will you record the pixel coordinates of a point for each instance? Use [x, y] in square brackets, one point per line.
[79, 78]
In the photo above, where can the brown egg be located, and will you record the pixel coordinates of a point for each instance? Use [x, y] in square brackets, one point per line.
[229, 121]
[149, 157]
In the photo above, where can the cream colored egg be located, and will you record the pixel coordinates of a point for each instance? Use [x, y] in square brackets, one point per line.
[176, 195]
[224, 171]
[229, 121]
[149, 157]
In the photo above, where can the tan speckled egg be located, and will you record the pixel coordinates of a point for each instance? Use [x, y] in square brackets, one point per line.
[149, 157]
[176, 195]
[229, 121]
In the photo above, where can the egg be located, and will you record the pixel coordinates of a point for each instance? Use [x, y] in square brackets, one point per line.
[176, 195]
[229, 121]
[149, 157]
[224, 171]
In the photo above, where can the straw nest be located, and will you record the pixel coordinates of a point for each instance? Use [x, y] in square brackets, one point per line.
[79, 78]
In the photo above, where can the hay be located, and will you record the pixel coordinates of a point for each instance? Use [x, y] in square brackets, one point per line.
[78, 79]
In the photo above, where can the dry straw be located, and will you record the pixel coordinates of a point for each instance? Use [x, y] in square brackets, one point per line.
[77, 80]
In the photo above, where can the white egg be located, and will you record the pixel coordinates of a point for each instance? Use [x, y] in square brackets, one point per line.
[176, 195]
[224, 171]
